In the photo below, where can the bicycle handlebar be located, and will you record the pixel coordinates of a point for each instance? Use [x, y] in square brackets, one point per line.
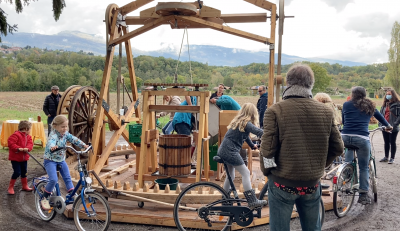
[382, 128]
[73, 149]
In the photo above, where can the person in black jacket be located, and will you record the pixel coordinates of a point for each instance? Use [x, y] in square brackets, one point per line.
[391, 111]
[217, 94]
[262, 103]
[50, 106]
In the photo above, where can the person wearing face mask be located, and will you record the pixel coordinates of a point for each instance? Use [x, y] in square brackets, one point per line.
[390, 110]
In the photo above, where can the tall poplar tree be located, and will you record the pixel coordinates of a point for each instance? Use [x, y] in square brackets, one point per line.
[393, 73]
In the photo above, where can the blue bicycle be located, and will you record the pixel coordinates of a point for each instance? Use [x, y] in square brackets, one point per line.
[90, 209]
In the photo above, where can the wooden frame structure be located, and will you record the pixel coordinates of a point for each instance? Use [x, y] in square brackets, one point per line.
[117, 33]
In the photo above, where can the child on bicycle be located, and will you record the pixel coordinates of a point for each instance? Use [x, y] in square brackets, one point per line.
[58, 138]
[239, 129]
[19, 144]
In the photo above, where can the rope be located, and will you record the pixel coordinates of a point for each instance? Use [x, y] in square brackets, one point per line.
[190, 63]
[177, 64]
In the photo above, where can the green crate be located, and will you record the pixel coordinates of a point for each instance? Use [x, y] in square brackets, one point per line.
[134, 139]
[213, 152]
[135, 129]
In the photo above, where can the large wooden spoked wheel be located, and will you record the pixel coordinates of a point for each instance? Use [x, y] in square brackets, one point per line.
[66, 99]
[82, 113]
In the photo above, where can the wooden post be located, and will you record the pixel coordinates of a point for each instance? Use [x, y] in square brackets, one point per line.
[143, 146]
[272, 58]
[201, 136]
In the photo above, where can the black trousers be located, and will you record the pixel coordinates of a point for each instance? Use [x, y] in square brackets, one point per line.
[20, 169]
[390, 143]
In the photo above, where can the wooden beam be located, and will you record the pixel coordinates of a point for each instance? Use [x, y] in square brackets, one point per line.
[244, 18]
[272, 60]
[140, 30]
[143, 145]
[132, 75]
[133, 6]
[149, 13]
[207, 11]
[227, 18]
[225, 29]
[174, 108]
[261, 3]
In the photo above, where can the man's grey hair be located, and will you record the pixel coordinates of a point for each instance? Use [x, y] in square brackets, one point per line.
[263, 87]
[301, 75]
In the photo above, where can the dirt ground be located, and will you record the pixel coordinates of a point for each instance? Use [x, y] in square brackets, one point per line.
[18, 212]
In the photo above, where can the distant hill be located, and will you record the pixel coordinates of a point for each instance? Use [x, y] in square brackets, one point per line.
[213, 55]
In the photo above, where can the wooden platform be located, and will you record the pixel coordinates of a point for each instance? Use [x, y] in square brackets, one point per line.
[125, 209]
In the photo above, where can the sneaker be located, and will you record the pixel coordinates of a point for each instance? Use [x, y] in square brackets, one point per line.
[45, 204]
[391, 161]
[364, 199]
[384, 159]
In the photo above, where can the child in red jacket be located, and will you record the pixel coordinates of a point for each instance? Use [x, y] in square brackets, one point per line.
[19, 144]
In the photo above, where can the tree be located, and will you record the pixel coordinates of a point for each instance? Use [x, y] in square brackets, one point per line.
[322, 79]
[5, 28]
[393, 73]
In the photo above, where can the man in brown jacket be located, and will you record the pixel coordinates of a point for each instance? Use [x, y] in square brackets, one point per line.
[302, 136]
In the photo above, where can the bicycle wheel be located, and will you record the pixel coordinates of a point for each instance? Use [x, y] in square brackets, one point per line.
[99, 216]
[373, 188]
[190, 205]
[46, 215]
[344, 196]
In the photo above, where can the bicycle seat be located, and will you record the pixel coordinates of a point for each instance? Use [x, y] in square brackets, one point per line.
[352, 147]
[218, 159]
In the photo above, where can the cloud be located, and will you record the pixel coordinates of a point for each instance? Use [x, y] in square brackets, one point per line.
[339, 5]
[370, 25]
[363, 53]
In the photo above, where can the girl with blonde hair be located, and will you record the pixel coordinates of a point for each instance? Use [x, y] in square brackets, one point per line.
[58, 137]
[326, 99]
[239, 129]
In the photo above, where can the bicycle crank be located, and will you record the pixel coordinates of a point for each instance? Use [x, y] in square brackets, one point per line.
[58, 204]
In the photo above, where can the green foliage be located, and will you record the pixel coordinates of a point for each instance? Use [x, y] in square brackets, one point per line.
[393, 73]
[33, 69]
[322, 79]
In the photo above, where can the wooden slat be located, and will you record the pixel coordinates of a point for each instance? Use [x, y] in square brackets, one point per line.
[140, 30]
[272, 60]
[262, 4]
[174, 108]
[175, 91]
[226, 29]
[133, 6]
[143, 145]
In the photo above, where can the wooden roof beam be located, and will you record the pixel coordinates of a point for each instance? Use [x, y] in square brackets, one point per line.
[227, 18]
[244, 18]
[133, 6]
[226, 29]
[262, 4]
[141, 30]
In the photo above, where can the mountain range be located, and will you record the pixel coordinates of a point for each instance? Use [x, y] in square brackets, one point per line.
[213, 55]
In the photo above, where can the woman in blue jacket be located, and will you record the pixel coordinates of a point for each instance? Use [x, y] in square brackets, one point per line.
[356, 115]
[182, 122]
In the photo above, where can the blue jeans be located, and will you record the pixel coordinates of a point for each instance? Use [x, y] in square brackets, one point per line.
[168, 128]
[363, 152]
[182, 129]
[281, 207]
[51, 169]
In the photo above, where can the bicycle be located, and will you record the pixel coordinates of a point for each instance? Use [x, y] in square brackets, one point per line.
[210, 202]
[90, 209]
[346, 182]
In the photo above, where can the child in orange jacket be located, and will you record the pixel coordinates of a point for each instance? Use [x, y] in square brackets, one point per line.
[19, 144]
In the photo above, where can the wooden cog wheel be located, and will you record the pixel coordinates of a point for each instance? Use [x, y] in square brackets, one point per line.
[66, 98]
[82, 113]
[176, 8]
